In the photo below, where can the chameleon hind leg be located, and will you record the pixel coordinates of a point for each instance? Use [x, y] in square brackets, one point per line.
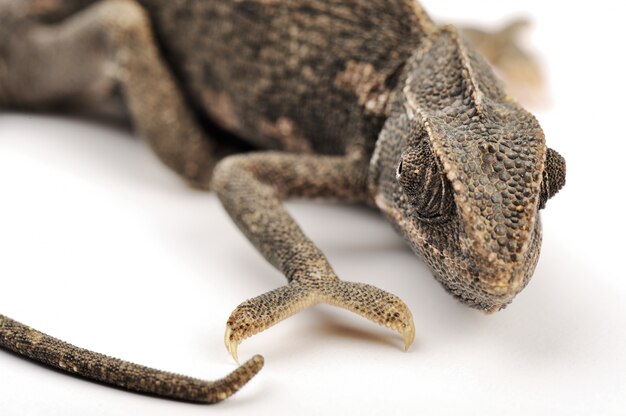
[86, 57]
[251, 188]
[519, 68]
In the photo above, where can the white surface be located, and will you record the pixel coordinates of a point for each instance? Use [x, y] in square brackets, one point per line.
[102, 246]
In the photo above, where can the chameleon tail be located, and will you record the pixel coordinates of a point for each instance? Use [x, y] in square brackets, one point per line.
[55, 353]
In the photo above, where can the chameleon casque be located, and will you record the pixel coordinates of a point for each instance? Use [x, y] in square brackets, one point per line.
[263, 100]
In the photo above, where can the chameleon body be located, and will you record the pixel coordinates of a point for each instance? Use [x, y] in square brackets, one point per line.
[366, 101]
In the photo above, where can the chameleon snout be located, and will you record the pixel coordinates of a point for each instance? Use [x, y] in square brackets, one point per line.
[494, 279]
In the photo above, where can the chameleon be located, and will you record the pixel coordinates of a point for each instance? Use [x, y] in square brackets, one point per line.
[360, 101]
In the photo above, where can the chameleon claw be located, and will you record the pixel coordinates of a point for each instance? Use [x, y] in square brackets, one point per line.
[231, 344]
[408, 329]
[409, 336]
[233, 351]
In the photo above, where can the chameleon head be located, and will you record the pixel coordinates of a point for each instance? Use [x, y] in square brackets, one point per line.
[463, 179]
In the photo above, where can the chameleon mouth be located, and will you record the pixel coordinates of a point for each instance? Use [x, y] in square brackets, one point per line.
[498, 282]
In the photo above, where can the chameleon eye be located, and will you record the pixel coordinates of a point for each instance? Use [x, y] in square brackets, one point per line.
[553, 177]
[426, 187]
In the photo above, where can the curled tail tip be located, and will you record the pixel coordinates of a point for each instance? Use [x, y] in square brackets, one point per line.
[237, 379]
[247, 370]
[254, 364]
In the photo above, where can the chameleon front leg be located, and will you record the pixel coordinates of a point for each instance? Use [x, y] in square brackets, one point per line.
[251, 188]
[82, 58]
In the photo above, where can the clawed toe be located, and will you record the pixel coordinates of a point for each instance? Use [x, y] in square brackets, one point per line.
[231, 343]
[259, 313]
[377, 305]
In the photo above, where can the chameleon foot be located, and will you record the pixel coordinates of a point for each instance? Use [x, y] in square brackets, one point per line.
[259, 313]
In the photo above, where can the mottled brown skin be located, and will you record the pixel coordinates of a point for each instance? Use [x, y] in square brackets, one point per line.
[362, 101]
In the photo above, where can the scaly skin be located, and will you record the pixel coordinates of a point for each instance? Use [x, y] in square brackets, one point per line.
[52, 352]
[355, 100]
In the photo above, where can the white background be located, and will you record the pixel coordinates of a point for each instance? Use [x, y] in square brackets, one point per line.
[102, 246]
